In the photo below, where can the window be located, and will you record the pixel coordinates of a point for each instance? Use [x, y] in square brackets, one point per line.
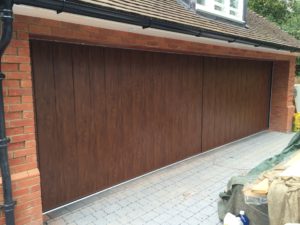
[230, 9]
[201, 2]
[234, 4]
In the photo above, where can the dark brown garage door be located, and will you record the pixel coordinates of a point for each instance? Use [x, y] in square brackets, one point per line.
[236, 98]
[106, 115]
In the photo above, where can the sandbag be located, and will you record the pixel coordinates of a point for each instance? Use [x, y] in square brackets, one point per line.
[233, 199]
[284, 200]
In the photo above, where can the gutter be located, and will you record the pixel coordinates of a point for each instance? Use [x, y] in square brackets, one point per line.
[91, 10]
[6, 17]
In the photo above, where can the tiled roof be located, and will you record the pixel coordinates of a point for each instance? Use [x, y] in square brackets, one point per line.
[258, 29]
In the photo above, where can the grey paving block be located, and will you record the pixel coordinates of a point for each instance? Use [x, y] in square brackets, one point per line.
[183, 194]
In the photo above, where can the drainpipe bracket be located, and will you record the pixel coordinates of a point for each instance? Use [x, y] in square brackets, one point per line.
[199, 34]
[148, 24]
[2, 76]
[232, 40]
[62, 7]
[4, 142]
[8, 207]
[6, 14]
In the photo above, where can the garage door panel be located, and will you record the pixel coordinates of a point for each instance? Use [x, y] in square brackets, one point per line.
[65, 117]
[263, 94]
[107, 115]
[236, 96]
[177, 102]
[44, 98]
[124, 94]
[209, 84]
[83, 114]
[114, 84]
[148, 155]
[192, 109]
[99, 117]
[256, 96]
[236, 114]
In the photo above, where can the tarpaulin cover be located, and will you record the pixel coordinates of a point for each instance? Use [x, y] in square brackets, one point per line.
[233, 199]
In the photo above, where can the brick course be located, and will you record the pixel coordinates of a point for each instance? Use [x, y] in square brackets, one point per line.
[19, 108]
[282, 107]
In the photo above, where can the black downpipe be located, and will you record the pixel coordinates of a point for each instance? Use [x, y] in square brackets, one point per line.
[6, 17]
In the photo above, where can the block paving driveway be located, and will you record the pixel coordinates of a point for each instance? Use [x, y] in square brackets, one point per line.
[185, 193]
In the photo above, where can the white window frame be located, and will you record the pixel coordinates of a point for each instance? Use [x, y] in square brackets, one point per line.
[210, 8]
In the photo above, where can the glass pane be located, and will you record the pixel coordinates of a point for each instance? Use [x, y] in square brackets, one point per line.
[220, 1]
[233, 13]
[201, 2]
[234, 3]
[218, 8]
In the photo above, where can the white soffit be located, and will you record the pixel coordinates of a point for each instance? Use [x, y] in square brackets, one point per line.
[100, 23]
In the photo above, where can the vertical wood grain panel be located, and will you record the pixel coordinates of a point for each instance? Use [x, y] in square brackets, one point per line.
[83, 112]
[107, 115]
[117, 114]
[45, 115]
[236, 96]
[99, 148]
[65, 122]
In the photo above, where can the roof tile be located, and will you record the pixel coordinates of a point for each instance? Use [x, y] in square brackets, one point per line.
[258, 28]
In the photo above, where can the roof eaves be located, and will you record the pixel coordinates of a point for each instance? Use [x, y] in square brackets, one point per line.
[101, 12]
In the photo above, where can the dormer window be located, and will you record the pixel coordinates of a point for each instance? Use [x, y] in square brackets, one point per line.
[229, 9]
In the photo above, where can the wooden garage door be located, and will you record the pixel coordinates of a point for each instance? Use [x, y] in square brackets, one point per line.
[236, 99]
[107, 115]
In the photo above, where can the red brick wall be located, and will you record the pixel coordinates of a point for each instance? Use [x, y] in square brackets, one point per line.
[282, 107]
[20, 126]
[19, 102]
